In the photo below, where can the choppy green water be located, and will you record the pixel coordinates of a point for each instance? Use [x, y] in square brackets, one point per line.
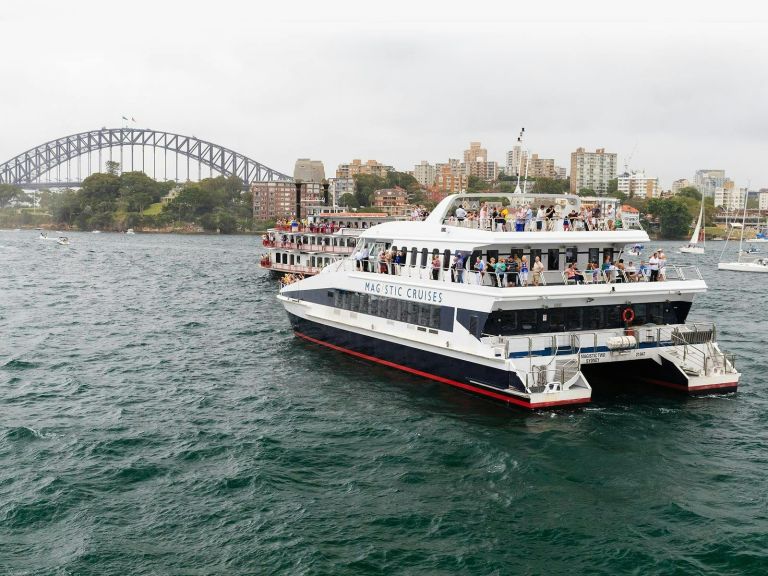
[158, 417]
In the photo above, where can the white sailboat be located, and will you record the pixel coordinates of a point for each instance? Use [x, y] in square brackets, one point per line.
[743, 264]
[693, 246]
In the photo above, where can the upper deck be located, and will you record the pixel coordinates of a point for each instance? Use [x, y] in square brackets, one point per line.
[535, 212]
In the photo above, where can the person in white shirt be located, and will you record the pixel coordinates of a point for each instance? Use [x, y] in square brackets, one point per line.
[662, 265]
[460, 213]
[653, 265]
[541, 215]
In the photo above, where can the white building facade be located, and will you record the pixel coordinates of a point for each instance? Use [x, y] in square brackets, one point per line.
[425, 173]
[637, 184]
[731, 199]
[592, 170]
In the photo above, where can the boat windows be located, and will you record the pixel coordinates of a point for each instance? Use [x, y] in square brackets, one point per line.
[571, 254]
[594, 255]
[534, 253]
[414, 253]
[446, 259]
[427, 315]
[424, 257]
[553, 259]
[573, 319]
[608, 253]
[577, 318]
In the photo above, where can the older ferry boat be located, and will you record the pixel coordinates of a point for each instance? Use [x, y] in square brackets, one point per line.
[566, 312]
[295, 247]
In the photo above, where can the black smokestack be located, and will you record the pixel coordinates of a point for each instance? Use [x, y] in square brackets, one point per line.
[326, 198]
[298, 199]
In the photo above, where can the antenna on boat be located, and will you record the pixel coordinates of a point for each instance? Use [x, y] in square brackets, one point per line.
[520, 161]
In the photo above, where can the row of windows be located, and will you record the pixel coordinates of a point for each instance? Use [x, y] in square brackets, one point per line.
[511, 322]
[427, 315]
[423, 257]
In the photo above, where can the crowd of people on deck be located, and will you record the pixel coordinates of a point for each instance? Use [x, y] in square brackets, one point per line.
[528, 218]
[655, 270]
[515, 270]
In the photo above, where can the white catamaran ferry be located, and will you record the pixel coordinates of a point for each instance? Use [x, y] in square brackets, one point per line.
[568, 309]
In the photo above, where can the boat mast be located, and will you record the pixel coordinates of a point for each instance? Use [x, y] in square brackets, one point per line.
[743, 222]
[520, 161]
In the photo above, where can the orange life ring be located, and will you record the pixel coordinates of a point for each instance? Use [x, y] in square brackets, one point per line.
[628, 315]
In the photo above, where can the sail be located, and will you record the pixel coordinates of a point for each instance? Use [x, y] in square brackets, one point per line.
[697, 230]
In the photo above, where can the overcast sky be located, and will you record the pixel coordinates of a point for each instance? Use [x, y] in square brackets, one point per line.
[670, 88]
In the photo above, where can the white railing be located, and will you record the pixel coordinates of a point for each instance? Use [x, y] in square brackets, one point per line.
[512, 224]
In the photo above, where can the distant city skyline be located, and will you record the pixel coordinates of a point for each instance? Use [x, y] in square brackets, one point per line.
[671, 89]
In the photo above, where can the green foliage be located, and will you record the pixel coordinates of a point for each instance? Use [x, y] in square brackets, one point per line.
[689, 192]
[477, 184]
[112, 167]
[10, 193]
[616, 194]
[365, 184]
[348, 200]
[551, 186]
[111, 201]
[613, 186]
[674, 216]
[586, 192]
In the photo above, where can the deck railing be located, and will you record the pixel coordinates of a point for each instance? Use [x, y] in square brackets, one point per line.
[513, 279]
[512, 224]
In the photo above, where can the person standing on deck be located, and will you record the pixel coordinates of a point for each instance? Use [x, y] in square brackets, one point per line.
[653, 264]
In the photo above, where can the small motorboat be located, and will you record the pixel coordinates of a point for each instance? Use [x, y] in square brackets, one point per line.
[130, 231]
[62, 240]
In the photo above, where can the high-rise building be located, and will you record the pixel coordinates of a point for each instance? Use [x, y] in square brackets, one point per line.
[475, 153]
[308, 170]
[678, 185]
[516, 159]
[424, 173]
[707, 181]
[762, 199]
[637, 184]
[476, 163]
[592, 170]
[561, 172]
[541, 167]
[730, 198]
[341, 186]
[450, 179]
[358, 167]
[277, 199]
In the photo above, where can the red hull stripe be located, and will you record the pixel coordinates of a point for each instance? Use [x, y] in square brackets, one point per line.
[475, 389]
[685, 388]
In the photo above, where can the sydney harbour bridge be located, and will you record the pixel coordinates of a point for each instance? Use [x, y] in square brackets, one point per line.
[67, 161]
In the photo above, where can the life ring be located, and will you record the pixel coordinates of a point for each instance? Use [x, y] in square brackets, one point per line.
[628, 315]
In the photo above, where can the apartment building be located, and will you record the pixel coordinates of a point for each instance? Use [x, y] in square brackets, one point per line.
[637, 184]
[678, 185]
[393, 201]
[277, 199]
[708, 181]
[730, 198]
[424, 173]
[592, 170]
[359, 167]
[516, 159]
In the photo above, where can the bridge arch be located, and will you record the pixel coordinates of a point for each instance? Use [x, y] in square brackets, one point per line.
[28, 167]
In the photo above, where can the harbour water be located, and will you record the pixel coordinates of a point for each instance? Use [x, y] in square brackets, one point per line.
[157, 416]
